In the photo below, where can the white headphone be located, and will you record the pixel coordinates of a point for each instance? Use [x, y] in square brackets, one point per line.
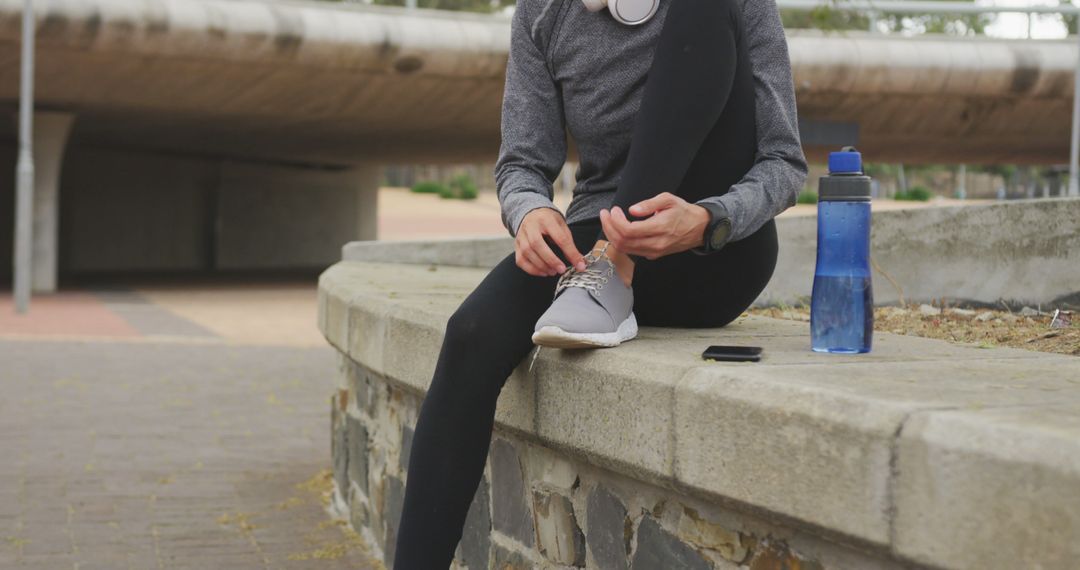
[629, 12]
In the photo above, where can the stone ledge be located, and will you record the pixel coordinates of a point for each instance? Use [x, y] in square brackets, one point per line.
[875, 450]
[1021, 251]
[459, 252]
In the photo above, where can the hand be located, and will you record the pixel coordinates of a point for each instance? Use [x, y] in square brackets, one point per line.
[531, 251]
[673, 225]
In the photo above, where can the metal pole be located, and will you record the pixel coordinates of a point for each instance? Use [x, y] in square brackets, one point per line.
[1074, 149]
[24, 170]
[961, 183]
[923, 7]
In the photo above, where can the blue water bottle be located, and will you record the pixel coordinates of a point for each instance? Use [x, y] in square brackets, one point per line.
[842, 305]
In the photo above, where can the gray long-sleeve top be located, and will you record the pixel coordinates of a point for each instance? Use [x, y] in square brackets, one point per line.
[571, 70]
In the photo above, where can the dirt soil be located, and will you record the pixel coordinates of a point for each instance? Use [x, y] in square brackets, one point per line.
[1028, 329]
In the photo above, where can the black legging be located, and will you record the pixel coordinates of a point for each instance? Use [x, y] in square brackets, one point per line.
[695, 137]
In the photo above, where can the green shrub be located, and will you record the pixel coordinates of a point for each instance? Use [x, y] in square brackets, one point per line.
[916, 194]
[920, 194]
[807, 197]
[428, 188]
[461, 187]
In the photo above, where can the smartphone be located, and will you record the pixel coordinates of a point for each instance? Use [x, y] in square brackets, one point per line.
[733, 353]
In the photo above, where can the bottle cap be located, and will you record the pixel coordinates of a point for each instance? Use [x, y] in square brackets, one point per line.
[846, 161]
[846, 181]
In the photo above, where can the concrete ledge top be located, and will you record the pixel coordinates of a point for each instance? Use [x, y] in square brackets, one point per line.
[935, 453]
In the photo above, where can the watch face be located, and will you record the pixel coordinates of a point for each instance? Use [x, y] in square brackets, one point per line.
[719, 236]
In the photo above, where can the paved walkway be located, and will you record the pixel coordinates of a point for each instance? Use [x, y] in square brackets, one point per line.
[167, 427]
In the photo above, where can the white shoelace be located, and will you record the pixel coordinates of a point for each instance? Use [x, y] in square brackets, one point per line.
[590, 279]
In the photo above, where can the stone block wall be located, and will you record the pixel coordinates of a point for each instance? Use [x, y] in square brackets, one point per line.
[920, 454]
[536, 508]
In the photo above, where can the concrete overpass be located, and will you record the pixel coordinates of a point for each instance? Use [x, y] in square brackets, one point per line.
[228, 107]
[332, 83]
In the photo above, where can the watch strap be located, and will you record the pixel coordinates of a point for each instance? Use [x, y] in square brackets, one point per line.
[718, 215]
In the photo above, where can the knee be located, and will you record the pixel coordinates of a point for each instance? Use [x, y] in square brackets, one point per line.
[470, 365]
[464, 327]
[471, 343]
[484, 344]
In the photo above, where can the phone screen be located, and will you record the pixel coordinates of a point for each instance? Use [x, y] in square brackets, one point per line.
[733, 353]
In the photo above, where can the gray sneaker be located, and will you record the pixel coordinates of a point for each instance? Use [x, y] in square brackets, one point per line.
[592, 308]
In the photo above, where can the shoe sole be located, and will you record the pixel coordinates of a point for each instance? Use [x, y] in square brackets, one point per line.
[555, 337]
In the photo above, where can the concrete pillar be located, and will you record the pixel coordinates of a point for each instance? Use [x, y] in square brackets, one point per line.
[51, 130]
[368, 181]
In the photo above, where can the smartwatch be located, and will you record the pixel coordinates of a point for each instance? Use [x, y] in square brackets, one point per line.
[717, 231]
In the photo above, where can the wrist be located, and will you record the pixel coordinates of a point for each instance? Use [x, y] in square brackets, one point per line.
[701, 219]
[536, 212]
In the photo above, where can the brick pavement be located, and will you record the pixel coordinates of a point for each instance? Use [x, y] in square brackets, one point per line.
[178, 450]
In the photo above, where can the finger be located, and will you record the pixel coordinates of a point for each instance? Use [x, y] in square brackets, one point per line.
[623, 225]
[612, 233]
[562, 237]
[549, 257]
[628, 237]
[615, 230]
[523, 262]
[534, 259]
[630, 242]
[656, 225]
[659, 202]
[531, 257]
[542, 248]
[542, 254]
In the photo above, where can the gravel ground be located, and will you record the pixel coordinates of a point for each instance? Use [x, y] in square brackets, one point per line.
[1028, 329]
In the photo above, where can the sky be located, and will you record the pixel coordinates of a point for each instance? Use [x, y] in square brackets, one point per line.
[1043, 26]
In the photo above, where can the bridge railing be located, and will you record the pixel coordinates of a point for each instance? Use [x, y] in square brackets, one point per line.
[875, 8]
